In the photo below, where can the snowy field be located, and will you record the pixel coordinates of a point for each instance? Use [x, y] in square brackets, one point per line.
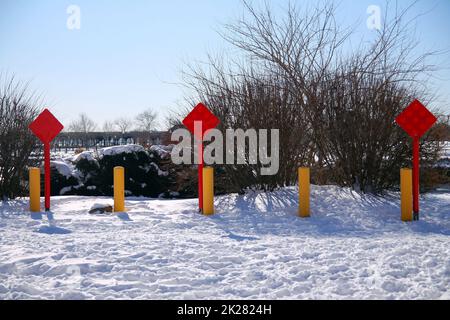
[254, 248]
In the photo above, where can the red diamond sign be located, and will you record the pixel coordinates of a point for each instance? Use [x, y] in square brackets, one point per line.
[416, 119]
[201, 114]
[46, 127]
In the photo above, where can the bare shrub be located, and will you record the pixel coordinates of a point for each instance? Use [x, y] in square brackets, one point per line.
[335, 110]
[18, 108]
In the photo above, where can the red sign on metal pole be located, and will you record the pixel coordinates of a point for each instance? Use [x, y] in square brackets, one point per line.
[198, 122]
[46, 127]
[416, 120]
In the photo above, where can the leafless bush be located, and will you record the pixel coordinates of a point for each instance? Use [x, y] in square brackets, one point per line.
[252, 101]
[356, 103]
[18, 108]
[357, 140]
[335, 110]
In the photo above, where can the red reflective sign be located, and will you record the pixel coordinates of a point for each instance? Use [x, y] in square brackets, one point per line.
[46, 127]
[202, 114]
[416, 119]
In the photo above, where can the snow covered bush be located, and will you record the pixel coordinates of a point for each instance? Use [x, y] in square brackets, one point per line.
[91, 174]
[143, 176]
[148, 172]
[62, 179]
[86, 169]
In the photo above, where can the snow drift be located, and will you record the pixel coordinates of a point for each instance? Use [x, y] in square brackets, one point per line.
[255, 247]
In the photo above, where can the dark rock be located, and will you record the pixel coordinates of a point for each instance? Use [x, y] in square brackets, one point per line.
[101, 209]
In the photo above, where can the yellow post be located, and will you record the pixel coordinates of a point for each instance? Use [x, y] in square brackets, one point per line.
[208, 191]
[35, 189]
[406, 194]
[303, 192]
[119, 189]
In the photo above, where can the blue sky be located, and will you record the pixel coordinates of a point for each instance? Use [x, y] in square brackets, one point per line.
[127, 55]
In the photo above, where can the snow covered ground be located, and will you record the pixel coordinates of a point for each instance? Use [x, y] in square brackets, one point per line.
[353, 246]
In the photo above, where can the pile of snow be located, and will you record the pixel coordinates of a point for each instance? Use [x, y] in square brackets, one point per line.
[129, 148]
[161, 173]
[162, 151]
[65, 190]
[254, 247]
[85, 155]
[62, 167]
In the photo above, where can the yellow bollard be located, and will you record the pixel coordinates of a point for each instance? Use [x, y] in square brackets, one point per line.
[208, 191]
[119, 189]
[35, 189]
[406, 194]
[303, 192]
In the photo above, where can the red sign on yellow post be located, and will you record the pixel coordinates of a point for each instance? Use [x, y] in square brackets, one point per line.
[207, 120]
[416, 120]
[46, 127]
